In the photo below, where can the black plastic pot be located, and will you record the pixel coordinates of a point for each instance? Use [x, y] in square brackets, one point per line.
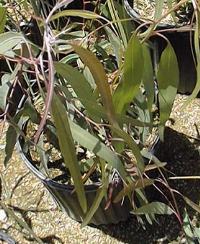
[66, 198]
[180, 38]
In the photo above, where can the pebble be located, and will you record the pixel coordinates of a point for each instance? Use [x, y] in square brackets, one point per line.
[3, 216]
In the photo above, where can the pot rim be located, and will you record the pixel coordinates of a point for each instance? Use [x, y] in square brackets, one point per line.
[137, 17]
[45, 179]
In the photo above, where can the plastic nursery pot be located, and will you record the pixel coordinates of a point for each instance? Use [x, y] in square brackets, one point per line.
[180, 38]
[65, 196]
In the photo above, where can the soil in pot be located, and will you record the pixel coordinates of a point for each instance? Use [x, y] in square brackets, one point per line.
[56, 178]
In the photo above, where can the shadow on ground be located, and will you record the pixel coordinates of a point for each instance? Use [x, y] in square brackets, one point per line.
[182, 159]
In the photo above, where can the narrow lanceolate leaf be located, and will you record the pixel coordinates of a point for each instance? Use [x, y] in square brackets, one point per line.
[76, 13]
[87, 140]
[79, 84]
[99, 75]
[67, 147]
[148, 77]
[2, 18]
[11, 138]
[168, 79]
[117, 22]
[141, 183]
[132, 76]
[193, 205]
[154, 208]
[4, 90]
[101, 193]
[9, 40]
[116, 44]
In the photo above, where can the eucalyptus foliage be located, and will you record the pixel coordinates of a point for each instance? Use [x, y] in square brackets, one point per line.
[89, 87]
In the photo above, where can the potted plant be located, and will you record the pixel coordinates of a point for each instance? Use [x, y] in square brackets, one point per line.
[174, 20]
[87, 113]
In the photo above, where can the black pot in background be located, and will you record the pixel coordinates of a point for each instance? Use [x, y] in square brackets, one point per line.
[181, 42]
[66, 198]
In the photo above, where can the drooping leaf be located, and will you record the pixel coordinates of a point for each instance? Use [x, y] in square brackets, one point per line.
[132, 76]
[87, 140]
[2, 18]
[67, 148]
[124, 19]
[148, 77]
[76, 13]
[168, 79]
[193, 205]
[79, 84]
[141, 183]
[11, 139]
[187, 227]
[154, 208]
[9, 40]
[4, 89]
[99, 75]
[117, 21]
[101, 192]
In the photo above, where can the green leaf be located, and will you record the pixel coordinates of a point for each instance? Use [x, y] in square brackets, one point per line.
[193, 205]
[132, 76]
[2, 18]
[4, 89]
[87, 140]
[187, 226]
[148, 77]
[117, 21]
[154, 208]
[168, 79]
[125, 20]
[9, 40]
[79, 84]
[76, 13]
[116, 44]
[11, 139]
[141, 183]
[101, 192]
[99, 75]
[67, 148]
